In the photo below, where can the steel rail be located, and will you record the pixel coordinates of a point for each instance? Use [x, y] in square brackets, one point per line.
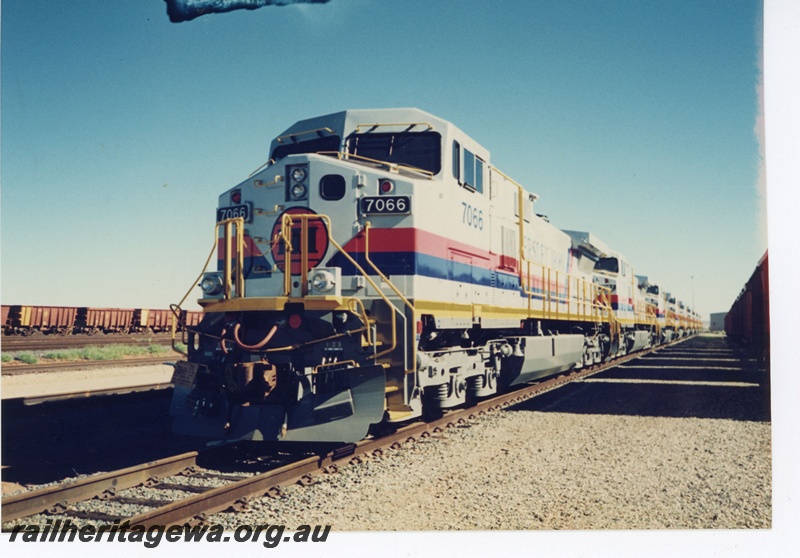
[55, 498]
[198, 507]
[47, 342]
[122, 390]
[81, 365]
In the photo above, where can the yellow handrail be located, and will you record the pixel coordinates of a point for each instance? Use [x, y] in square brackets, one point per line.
[351, 304]
[343, 155]
[525, 282]
[312, 342]
[551, 301]
[613, 323]
[228, 287]
[379, 272]
[392, 286]
[261, 184]
[407, 124]
[176, 308]
[653, 312]
[285, 235]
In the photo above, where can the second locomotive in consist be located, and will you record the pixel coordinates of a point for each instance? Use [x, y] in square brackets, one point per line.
[380, 268]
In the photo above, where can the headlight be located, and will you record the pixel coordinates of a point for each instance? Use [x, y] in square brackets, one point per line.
[298, 174]
[323, 281]
[211, 284]
[298, 191]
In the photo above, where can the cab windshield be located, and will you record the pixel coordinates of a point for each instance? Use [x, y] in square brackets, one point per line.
[328, 143]
[420, 150]
[610, 265]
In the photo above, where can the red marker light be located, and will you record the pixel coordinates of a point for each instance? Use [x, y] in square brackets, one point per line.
[236, 196]
[295, 321]
[386, 186]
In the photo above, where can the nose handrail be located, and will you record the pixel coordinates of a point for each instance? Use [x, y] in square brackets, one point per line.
[284, 235]
[233, 278]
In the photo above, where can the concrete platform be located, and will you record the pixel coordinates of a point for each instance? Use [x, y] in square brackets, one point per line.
[76, 383]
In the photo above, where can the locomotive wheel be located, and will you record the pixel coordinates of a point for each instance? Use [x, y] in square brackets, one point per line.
[431, 410]
[380, 429]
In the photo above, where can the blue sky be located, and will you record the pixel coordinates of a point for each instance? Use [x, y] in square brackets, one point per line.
[632, 119]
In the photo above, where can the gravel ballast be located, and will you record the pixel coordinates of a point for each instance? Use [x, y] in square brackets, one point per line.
[523, 470]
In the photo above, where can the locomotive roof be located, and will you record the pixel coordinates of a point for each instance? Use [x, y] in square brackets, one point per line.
[590, 243]
[347, 122]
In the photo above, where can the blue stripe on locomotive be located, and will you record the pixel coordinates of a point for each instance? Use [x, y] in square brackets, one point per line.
[415, 263]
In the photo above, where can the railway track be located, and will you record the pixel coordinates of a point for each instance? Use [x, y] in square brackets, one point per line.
[199, 503]
[82, 365]
[48, 342]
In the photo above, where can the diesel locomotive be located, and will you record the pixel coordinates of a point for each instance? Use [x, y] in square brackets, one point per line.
[378, 269]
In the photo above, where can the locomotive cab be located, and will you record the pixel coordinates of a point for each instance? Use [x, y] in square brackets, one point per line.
[654, 308]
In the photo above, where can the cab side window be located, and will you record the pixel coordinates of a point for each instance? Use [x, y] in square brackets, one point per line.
[473, 168]
[456, 161]
[469, 168]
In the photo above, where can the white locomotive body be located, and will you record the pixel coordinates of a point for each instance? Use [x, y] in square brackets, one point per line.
[378, 268]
